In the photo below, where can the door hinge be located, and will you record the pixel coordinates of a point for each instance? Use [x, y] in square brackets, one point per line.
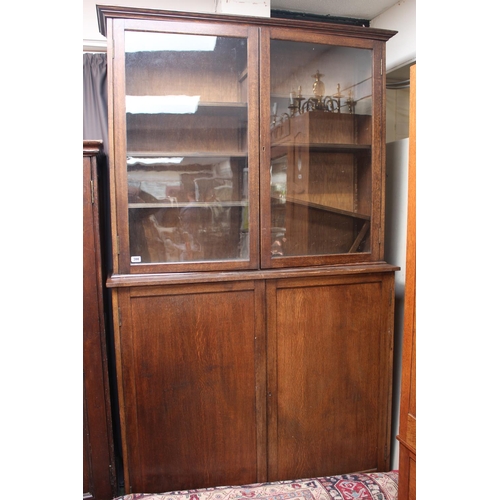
[118, 244]
[92, 191]
[381, 67]
[119, 317]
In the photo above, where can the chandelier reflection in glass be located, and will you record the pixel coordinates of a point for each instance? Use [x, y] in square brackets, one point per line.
[319, 102]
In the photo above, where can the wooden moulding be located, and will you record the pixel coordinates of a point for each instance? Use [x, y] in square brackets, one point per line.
[105, 12]
[126, 280]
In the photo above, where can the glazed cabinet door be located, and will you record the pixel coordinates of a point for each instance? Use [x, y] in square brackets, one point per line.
[330, 343]
[322, 181]
[192, 377]
[185, 146]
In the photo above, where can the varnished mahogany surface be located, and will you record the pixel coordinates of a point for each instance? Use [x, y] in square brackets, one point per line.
[233, 372]
[247, 381]
[192, 373]
[329, 375]
[195, 134]
[98, 458]
[108, 11]
[127, 280]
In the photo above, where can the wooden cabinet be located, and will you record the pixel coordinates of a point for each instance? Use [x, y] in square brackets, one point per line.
[98, 450]
[252, 307]
[245, 380]
[408, 406]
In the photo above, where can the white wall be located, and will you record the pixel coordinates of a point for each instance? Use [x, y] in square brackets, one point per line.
[400, 51]
[395, 253]
[94, 41]
[401, 48]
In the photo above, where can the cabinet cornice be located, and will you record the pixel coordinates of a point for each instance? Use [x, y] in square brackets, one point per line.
[108, 11]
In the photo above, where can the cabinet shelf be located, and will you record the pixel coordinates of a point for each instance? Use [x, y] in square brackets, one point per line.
[320, 147]
[213, 128]
[324, 129]
[311, 204]
[213, 156]
[167, 204]
[328, 147]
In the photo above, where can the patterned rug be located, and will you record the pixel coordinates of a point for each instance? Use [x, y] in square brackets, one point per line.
[372, 486]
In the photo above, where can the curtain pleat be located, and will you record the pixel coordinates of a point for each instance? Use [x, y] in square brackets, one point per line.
[95, 98]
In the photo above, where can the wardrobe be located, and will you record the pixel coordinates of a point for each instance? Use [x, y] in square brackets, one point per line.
[99, 472]
[252, 307]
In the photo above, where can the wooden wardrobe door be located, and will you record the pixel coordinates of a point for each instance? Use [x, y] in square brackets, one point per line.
[193, 379]
[330, 365]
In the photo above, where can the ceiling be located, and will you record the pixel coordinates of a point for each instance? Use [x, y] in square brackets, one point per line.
[354, 9]
[359, 9]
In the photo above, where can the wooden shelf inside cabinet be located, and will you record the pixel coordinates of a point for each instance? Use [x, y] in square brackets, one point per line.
[322, 128]
[362, 220]
[167, 204]
[212, 155]
[280, 148]
[214, 127]
[325, 158]
[309, 202]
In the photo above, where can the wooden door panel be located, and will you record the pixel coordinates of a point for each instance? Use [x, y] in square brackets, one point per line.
[331, 378]
[193, 407]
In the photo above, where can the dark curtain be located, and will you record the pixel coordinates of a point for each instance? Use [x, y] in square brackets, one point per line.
[95, 98]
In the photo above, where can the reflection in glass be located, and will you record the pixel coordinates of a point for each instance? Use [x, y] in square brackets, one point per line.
[321, 106]
[187, 159]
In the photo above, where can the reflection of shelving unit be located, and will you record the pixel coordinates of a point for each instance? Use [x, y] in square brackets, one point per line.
[209, 136]
[219, 131]
[309, 202]
[328, 181]
[185, 214]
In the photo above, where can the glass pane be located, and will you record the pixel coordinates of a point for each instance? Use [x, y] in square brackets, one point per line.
[321, 107]
[186, 103]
